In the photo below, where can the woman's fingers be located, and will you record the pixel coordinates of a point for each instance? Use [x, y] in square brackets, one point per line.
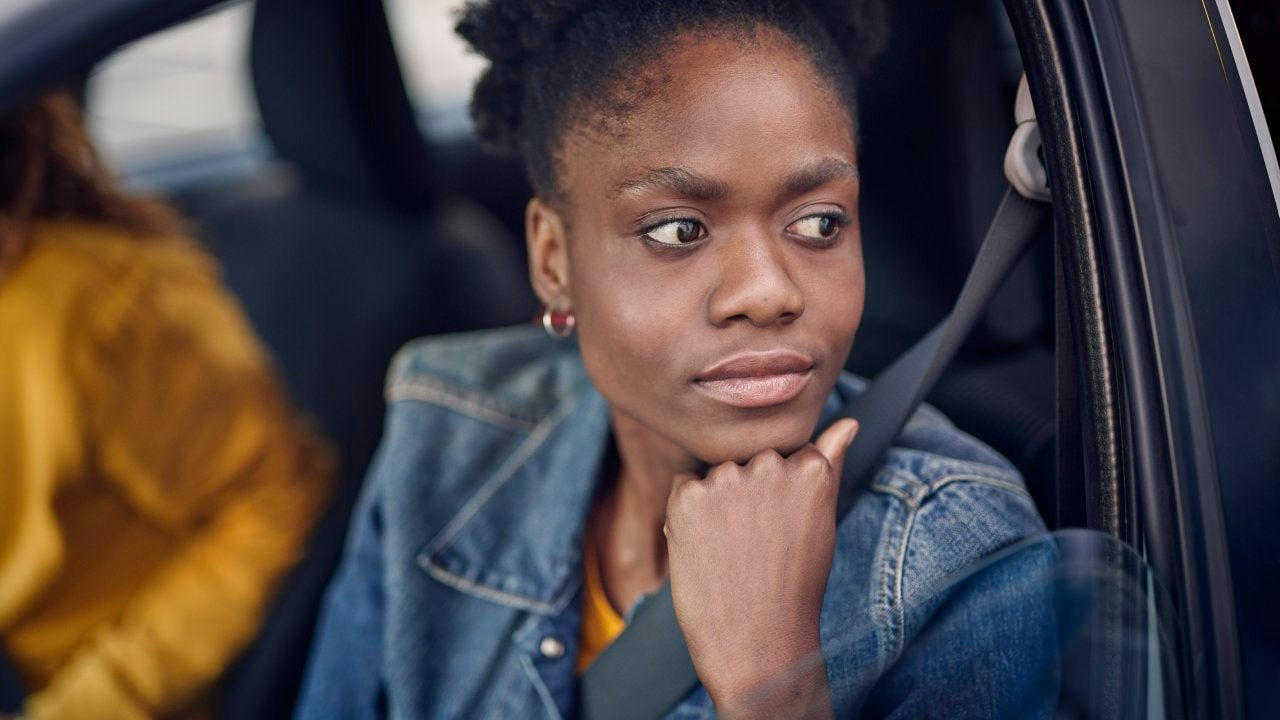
[835, 441]
[750, 551]
[682, 478]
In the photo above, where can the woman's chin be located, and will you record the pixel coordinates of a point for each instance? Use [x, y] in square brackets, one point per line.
[737, 446]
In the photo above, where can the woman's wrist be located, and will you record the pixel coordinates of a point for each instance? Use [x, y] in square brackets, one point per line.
[796, 689]
[788, 663]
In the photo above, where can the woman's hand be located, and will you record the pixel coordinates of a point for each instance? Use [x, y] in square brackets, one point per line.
[750, 550]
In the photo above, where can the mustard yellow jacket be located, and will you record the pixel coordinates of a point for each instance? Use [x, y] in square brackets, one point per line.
[154, 482]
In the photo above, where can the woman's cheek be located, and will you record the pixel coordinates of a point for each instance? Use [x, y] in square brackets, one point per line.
[835, 290]
[630, 337]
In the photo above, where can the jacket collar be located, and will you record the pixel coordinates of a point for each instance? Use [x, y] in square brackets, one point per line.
[518, 541]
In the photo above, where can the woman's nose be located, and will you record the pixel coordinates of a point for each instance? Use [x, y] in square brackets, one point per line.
[755, 285]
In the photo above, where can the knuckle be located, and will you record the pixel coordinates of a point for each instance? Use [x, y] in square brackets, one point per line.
[725, 468]
[690, 490]
[678, 500]
[813, 463]
[765, 460]
[717, 475]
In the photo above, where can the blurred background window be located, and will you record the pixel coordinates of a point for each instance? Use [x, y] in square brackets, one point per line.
[178, 105]
[180, 95]
[438, 68]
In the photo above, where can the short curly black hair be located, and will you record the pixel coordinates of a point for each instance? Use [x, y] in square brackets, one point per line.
[557, 62]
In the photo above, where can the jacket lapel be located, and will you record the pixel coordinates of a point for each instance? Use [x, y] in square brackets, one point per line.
[518, 541]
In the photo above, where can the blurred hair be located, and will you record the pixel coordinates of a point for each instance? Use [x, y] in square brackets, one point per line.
[50, 170]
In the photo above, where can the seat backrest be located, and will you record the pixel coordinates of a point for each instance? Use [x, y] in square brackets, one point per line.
[333, 102]
[345, 250]
[937, 115]
[340, 254]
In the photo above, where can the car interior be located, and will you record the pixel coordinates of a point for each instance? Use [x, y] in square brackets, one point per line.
[348, 245]
[362, 232]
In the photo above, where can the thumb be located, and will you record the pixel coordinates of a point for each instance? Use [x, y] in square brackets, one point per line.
[835, 441]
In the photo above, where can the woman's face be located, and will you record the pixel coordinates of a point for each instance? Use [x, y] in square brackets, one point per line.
[709, 247]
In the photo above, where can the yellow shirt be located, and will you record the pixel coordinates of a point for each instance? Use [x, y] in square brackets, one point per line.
[154, 483]
[601, 624]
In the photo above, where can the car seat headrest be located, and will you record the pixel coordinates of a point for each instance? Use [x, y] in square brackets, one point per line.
[333, 101]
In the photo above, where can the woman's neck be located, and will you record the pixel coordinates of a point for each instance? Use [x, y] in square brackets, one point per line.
[629, 516]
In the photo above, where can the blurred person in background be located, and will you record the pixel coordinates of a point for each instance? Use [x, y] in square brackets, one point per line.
[155, 483]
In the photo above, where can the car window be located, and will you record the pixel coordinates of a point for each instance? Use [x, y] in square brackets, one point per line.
[1258, 22]
[184, 94]
[1092, 630]
[15, 8]
[439, 71]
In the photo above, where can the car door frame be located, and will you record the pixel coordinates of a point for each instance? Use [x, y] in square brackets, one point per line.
[1149, 444]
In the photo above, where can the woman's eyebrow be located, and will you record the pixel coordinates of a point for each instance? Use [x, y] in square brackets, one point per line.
[818, 174]
[683, 181]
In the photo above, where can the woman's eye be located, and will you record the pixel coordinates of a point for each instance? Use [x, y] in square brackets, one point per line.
[676, 232]
[816, 227]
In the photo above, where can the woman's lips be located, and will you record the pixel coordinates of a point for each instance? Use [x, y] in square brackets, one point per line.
[756, 380]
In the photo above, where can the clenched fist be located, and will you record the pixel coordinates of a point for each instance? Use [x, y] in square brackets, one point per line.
[750, 549]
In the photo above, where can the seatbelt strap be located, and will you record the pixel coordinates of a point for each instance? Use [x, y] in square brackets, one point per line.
[884, 407]
[647, 669]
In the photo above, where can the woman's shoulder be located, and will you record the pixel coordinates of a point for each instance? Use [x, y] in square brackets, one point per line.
[954, 501]
[945, 500]
[86, 288]
[91, 276]
[511, 376]
[459, 405]
[474, 421]
[930, 453]
[101, 248]
[939, 505]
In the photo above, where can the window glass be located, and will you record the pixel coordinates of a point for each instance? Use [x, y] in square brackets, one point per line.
[1072, 623]
[1258, 22]
[15, 8]
[438, 68]
[178, 96]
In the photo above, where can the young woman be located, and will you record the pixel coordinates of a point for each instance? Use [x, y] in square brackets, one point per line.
[695, 228]
[154, 482]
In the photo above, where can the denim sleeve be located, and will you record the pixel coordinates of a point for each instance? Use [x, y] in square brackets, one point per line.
[344, 678]
[989, 651]
[978, 611]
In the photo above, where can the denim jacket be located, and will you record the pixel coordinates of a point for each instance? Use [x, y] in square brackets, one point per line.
[460, 590]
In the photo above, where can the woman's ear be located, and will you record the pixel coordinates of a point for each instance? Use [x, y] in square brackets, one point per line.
[544, 231]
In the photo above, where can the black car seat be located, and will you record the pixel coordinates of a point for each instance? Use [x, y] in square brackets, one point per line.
[936, 117]
[340, 252]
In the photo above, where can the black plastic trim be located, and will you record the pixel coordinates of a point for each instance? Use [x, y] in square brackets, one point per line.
[1096, 454]
[1167, 448]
